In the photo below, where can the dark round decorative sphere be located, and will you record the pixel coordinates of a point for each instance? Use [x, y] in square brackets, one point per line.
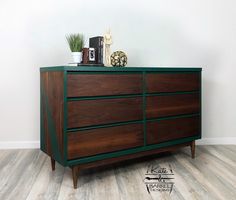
[118, 59]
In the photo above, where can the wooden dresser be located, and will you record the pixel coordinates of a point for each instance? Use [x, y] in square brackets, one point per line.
[93, 116]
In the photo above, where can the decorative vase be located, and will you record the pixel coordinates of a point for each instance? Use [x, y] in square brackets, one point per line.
[77, 57]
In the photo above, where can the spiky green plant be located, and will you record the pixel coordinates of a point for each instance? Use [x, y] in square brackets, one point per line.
[76, 42]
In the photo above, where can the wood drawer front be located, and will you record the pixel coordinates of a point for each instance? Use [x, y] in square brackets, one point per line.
[103, 111]
[103, 84]
[165, 130]
[104, 140]
[161, 106]
[168, 82]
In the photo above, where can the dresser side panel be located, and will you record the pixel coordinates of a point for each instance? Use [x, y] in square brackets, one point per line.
[52, 113]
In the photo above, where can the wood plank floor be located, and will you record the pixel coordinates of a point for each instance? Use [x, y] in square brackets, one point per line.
[26, 174]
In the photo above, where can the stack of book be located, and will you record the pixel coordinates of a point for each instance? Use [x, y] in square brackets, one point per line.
[97, 44]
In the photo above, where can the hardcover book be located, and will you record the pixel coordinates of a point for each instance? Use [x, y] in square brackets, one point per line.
[97, 43]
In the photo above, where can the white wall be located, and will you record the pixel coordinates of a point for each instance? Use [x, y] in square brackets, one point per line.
[153, 33]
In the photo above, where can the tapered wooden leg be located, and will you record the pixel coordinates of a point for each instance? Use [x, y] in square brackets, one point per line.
[75, 172]
[53, 164]
[192, 146]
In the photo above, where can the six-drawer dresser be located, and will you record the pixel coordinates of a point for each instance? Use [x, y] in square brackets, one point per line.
[92, 116]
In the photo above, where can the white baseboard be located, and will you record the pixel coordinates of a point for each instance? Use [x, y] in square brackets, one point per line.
[36, 144]
[20, 145]
[215, 141]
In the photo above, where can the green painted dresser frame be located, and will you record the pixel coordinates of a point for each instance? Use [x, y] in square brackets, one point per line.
[54, 103]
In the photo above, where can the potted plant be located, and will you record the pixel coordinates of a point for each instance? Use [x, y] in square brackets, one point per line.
[76, 44]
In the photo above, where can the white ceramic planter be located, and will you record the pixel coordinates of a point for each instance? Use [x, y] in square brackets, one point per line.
[77, 57]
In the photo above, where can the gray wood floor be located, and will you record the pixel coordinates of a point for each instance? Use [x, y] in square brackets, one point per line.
[26, 174]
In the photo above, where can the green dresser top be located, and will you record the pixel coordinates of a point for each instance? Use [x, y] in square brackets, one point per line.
[119, 69]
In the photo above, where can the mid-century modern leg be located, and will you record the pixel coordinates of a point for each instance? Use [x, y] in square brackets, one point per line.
[53, 164]
[75, 172]
[192, 146]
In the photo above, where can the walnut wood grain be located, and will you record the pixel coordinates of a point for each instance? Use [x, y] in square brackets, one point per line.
[168, 82]
[165, 130]
[45, 131]
[103, 111]
[133, 156]
[161, 106]
[103, 140]
[103, 84]
[52, 87]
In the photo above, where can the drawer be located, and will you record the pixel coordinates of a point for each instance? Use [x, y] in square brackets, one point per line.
[104, 140]
[172, 82]
[161, 106]
[103, 84]
[165, 130]
[104, 111]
